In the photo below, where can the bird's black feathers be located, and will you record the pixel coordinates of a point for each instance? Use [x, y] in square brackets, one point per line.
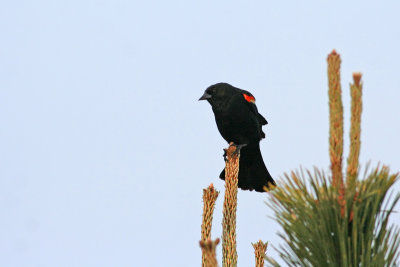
[238, 121]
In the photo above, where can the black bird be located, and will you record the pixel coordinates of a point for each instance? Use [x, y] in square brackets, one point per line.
[239, 122]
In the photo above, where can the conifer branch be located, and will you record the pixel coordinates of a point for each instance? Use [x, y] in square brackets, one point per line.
[229, 254]
[209, 197]
[329, 222]
[260, 248]
[208, 249]
[335, 118]
[355, 128]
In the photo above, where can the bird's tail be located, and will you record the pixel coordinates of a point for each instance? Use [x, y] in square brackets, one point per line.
[253, 174]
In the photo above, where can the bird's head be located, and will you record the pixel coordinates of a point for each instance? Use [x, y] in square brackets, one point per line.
[218, 95]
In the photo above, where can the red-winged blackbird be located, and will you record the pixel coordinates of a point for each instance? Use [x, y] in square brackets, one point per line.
[239, 122]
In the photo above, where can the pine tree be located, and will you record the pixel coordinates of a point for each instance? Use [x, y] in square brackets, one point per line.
[338, 219]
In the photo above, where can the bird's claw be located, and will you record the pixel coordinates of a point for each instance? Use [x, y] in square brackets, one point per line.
[234, 153]
[238, 148]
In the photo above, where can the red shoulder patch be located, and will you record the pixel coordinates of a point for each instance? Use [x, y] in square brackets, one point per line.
[249, 98]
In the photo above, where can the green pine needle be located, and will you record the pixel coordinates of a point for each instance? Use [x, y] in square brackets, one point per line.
[315, 233]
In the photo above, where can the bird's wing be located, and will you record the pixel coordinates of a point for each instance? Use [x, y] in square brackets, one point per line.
[251, 102]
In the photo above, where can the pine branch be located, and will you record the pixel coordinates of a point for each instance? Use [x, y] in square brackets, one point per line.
[229, 254]
[260, 248]
[208, 249]
[335, 118]
[346, 224]
[209, 197]
[355, 128]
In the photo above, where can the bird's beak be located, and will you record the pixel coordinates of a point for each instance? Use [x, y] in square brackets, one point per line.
[205, 97]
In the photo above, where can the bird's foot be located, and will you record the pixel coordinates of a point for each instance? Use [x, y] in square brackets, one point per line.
[238, 148]
[235, 152]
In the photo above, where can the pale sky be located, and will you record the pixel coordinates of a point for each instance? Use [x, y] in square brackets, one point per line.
[105, 150]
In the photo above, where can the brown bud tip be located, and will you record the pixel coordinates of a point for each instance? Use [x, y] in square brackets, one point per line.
[357, 78]
[209, 243]
[211, 186]
[333, 55]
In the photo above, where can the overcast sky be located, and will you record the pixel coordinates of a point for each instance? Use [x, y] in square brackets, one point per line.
[105, 150]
